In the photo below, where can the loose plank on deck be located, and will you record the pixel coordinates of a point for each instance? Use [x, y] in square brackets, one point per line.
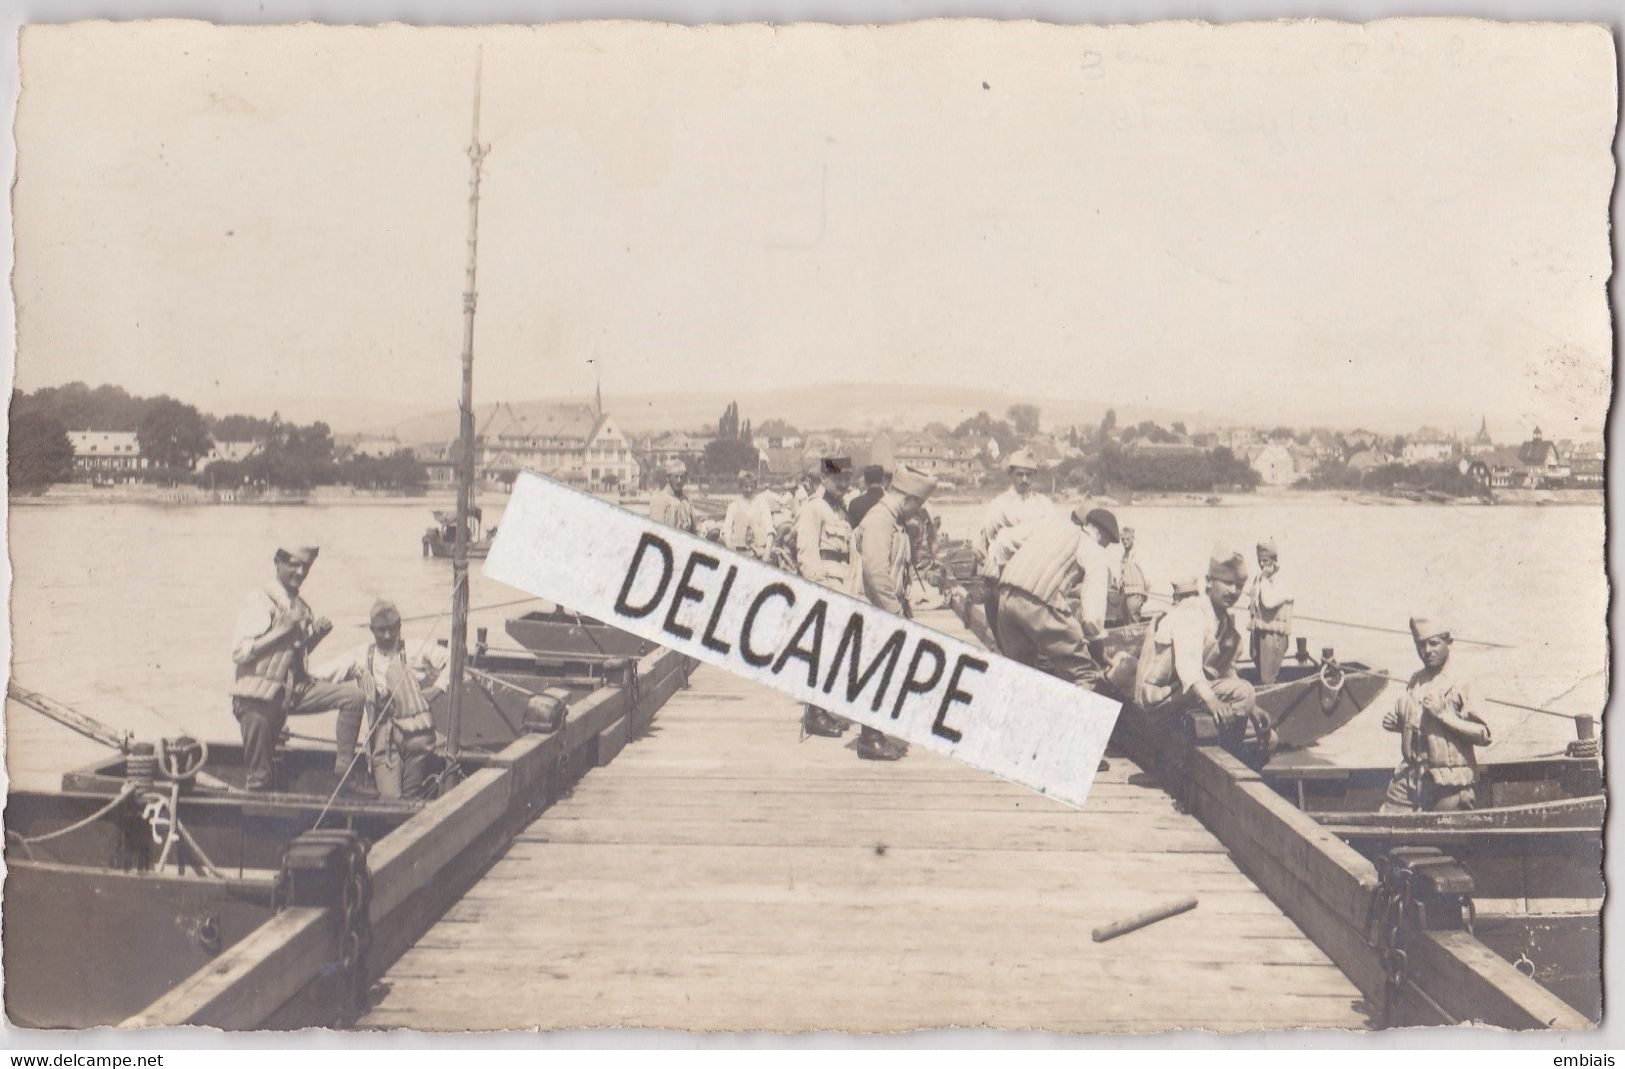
[721, 873]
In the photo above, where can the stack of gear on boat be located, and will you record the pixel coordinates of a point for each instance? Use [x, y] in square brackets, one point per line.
[1187, 659]
[397, 691]
[276, 631]
[1438, 724]
[884, 550]
[1269, 602]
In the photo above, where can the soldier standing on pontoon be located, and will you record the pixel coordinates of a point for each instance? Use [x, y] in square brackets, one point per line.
[276, 631]
[884, 551]
[748, 524]
[1269, 600]
[823, 540]
[1439, 727]
[670, 504]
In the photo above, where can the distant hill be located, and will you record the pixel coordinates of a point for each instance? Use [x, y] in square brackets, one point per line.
[848, 406]
[856, 407]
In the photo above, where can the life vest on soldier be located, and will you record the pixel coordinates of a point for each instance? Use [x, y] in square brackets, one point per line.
[404, 705]
[270, 676]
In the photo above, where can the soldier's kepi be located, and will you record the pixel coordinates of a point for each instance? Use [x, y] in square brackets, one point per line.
[818, 645]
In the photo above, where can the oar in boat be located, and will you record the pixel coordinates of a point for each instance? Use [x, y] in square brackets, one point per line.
[1367, 627]
[1492, 701]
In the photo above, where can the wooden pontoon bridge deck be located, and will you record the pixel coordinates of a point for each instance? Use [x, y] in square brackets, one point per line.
[722, 874]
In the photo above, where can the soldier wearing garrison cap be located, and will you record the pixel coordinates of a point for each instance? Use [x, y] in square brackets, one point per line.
[884, 550]
[1439, 728]
[275, 633]
[670, 504]
[1188, 659]
[1269, 603]
[397, 689]
[823, 550]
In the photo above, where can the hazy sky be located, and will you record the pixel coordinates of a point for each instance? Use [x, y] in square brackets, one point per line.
[1311, 220]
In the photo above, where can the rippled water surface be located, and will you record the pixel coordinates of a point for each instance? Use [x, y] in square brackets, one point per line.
[126, 610]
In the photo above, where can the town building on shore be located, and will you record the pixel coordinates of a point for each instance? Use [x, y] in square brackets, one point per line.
[939, 456]
[1586, 466]
[782, 465]
[1535, 464]
[100, 456]
[1428, 446]
[1238, 439]
[1273, 463]
[573, 443]
[373, 446]
[1481, 442]
[1370, 459]
[656, 451]
[229, 452]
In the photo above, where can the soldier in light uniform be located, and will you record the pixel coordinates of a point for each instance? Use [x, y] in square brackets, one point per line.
[883, 548]
[1269, 599]
[1040, 565]
[748, 524]
[1439, 727]
[275, 633]
[807, 489]
[1188, 659]
[670, 504]
[398, 689]
[1019, 504]
[1129, 587]
[824, 555]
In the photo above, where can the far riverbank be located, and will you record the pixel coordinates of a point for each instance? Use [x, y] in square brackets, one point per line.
[191, 497]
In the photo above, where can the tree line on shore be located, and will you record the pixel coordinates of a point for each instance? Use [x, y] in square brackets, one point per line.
[174, 436]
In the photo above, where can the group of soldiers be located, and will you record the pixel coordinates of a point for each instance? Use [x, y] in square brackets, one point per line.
[864, 543]
[1050, 579]
[1053, 583]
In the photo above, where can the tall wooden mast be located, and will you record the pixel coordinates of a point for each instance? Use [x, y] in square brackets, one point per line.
[465, 455]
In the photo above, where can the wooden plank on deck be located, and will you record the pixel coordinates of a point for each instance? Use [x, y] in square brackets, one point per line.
[723, 873]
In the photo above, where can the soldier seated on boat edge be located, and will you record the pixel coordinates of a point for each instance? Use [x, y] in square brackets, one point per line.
[1187, 660]
[275, 633]
[1439, 727]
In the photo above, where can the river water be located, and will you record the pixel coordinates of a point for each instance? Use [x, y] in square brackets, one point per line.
[126, 610]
